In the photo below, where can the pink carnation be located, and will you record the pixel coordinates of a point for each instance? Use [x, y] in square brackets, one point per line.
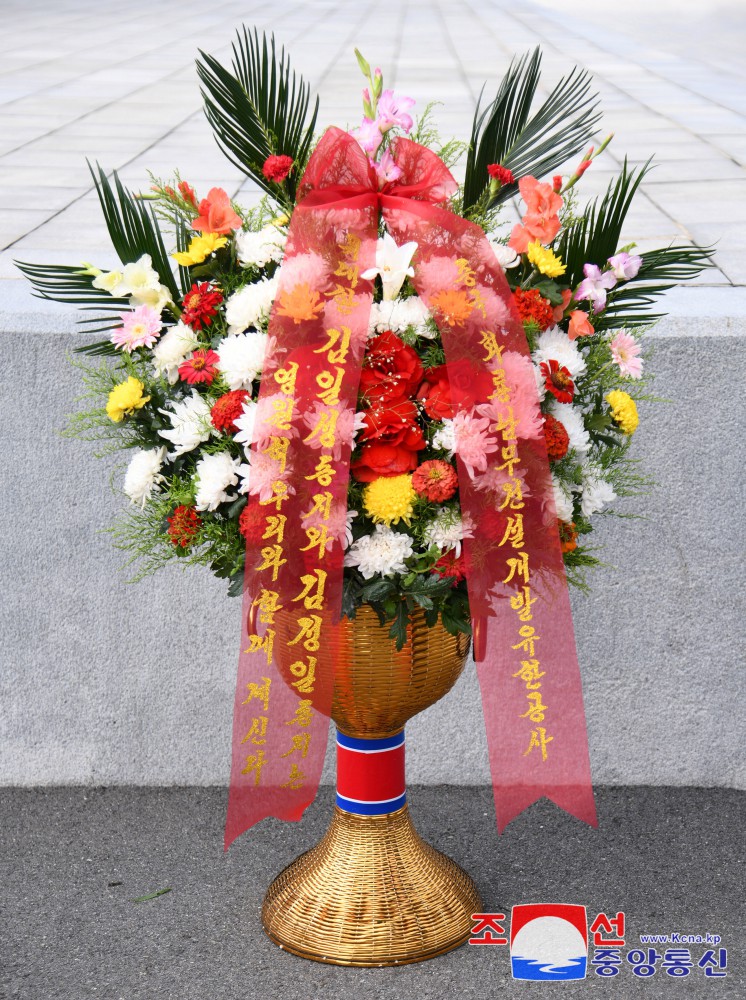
[625, 352]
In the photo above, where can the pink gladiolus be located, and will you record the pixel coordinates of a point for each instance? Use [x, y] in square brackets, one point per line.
[625, 266]
[595, 286]
[541, 221]
[393, 110]
[386, 170]
[368, 135]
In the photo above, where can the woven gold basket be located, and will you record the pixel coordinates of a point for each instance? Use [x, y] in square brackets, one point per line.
[372, 892]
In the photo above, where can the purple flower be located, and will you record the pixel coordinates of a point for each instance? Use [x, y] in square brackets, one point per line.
[625, 266]
[393, 110]
[368, 135]
[595, 286]
[386, 170]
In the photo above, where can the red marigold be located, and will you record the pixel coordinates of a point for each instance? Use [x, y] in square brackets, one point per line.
[227, 409]
[558, 380]
[557, 438]
[252, 523]
[435, 480]
[451, 565]
[200, 367]
[534, 308]
[276, 168]
[183, 525]
[500, 173]
[568, 536]
[200, 304]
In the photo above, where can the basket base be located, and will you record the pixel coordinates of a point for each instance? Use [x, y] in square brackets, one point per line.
[371, 893]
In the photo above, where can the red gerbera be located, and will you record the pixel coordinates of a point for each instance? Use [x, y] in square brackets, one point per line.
[276, 168]
[435, 480]
[227, 409]
[557, 438]
[451, 565]
[252, 523]
[500, 173]
[558, 380]
[199, 368]
[200, 304]
[534, 308]
[183, 525]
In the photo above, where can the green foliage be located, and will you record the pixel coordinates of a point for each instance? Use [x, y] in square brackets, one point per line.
[506, 132]
[258, 110]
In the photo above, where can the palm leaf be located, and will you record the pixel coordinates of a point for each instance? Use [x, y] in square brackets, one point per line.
[505, 132]
[133, 227]
[258, 108]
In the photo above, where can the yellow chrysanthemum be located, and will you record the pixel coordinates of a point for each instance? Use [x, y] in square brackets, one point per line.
[389, 499]
[545, 260]
[125, 398]
[623, 410]
[200, 248]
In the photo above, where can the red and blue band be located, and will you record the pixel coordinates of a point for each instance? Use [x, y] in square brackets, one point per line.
[370, 774]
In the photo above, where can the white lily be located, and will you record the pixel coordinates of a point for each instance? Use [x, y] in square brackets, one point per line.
[393, 264]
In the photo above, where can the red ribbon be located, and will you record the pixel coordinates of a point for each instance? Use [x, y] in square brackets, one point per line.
[523, 635]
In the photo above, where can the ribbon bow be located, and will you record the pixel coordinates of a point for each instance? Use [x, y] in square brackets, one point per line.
[295, 521]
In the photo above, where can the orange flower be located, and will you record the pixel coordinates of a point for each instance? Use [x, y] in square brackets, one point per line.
[216, 214]
[559, 311]
[454, 305]
[580, 325]
[541, 221]
[300, 304]
[568, 536]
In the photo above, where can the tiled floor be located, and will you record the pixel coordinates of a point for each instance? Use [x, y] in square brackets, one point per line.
[81, 79]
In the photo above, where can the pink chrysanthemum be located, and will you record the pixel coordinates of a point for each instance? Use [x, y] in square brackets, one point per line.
[474, 442]
[140, 328]
[625, 352]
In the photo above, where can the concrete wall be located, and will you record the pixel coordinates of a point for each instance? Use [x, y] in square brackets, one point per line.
[109, 683]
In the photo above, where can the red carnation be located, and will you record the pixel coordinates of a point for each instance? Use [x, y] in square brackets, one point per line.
[450, 564]
[435, 480]
[252, 523]
[200, 367]
[391, 370]
[200, 304]
[276, 168]
[227, 409]
[534, 308]
[183, 525]
[557, 438]
[500, 173]
[557, 380]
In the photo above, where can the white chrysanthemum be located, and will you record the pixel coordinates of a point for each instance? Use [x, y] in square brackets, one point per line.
[245, 424]
[191, 424]
[447, 531]
[250, 306]
[595, 494]
[144, 474]
[399, 315]
[258, 249]
[562, 500]
[554, 344]
[445, 437]
[382, 553]
[506, 256]
[172, 348]
[215, 473]
[572, 420]
[242, 358]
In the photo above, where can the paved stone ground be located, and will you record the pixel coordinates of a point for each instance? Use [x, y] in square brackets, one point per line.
[82, 79]
[671, 859]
